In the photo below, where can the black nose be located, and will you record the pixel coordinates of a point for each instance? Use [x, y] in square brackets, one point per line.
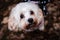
[30, 20]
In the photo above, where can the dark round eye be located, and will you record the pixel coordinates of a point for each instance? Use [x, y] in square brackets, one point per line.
[31, 12]
[21, 16]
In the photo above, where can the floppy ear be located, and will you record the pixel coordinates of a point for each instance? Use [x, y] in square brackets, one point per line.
[41, 26]
[12, 24]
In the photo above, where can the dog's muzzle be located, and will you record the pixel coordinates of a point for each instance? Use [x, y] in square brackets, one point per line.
[31, 25]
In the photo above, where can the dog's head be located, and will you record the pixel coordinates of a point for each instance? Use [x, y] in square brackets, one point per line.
[26, 16]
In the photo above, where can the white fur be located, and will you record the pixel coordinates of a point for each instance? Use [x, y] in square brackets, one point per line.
[15, 23]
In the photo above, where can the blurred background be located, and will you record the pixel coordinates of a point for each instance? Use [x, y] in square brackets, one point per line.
[51, 11]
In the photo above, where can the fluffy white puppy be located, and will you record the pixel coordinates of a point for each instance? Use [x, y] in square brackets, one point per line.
[26, 16]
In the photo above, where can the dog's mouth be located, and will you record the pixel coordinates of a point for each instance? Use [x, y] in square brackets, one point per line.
[31, 26]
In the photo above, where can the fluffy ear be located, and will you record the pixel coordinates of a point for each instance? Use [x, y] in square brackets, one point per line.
[41, 26]
[12, 23]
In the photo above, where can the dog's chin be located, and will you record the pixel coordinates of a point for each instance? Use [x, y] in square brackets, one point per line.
[31, 27]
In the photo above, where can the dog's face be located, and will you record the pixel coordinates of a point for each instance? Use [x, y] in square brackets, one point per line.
[25, 16]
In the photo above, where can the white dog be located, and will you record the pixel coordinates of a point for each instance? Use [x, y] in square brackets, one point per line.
[26, 16]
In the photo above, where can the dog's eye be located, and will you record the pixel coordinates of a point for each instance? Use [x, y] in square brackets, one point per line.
[21, 16]
[31, 12]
